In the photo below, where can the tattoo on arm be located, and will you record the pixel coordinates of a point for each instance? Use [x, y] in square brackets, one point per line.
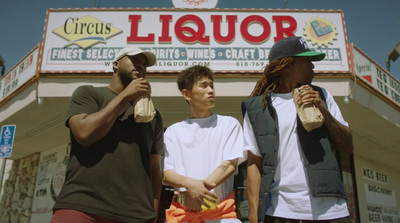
[224, 167]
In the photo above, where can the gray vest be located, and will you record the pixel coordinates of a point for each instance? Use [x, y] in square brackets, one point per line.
[322, 169]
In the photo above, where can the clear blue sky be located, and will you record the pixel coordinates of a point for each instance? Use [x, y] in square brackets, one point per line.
[372, 25]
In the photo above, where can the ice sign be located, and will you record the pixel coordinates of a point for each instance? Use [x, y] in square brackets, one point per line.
[7, 139]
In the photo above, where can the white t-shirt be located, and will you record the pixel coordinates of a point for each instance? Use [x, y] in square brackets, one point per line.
[290, 194]
[196, 147]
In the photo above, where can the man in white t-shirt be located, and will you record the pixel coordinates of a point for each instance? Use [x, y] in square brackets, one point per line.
[292, 173]
[202, 153]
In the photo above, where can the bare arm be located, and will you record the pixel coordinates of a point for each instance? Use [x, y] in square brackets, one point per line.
[155, 163]
[339, 134]
[197, 188]
[223, 171]
[90, 128]
[253, 184]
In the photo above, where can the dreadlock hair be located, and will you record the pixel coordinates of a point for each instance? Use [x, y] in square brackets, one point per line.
[270, 79]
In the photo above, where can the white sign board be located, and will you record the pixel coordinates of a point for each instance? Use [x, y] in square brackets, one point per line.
[50, 179]
[226, 40]
[19, 75]
[380, 195]
[376, 76]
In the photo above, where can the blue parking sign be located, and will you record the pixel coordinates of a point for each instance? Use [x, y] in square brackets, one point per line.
[6, 140]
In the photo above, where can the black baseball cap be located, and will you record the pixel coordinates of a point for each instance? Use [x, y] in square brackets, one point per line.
[293, 46]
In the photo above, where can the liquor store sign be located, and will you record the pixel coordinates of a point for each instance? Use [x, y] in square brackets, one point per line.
[226, 40]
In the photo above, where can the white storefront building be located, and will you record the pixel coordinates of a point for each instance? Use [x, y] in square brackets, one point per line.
[79, 46]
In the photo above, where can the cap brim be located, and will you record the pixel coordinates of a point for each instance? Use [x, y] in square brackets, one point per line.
[151, 58]
[315, 56]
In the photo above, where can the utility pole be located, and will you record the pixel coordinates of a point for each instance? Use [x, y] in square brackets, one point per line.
[2, 65]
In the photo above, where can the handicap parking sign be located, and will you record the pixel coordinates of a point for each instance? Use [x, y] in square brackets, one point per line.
[6, 140]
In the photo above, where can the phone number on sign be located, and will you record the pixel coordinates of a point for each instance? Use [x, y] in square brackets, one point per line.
[252, 64]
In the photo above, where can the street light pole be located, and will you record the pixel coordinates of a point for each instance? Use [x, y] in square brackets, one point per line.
[393, 54]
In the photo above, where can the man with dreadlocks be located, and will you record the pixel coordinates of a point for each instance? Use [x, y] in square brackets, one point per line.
[292, 174]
